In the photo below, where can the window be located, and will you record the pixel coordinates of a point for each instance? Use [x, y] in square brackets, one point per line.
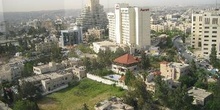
[206, 40]
[214, 27]
[206, 27]
[214, 36]
[205, 48]
[200, 24]
[200, 18]
[206, 36]
[214, 31]
[199, 38]
[214, 20]
[200, 27]
[206, 44]
[213, 40]
[207, 20]
[194, 18]
[213, 44]
[206, 31]
[206, 53]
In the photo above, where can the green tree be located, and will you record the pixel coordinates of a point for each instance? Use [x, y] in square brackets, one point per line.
[193, 67]
[145, 61]
[213, 56]
[28, 90]
[129, 77]
[25, 105]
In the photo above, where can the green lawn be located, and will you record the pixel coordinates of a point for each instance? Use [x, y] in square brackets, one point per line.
[73, 98]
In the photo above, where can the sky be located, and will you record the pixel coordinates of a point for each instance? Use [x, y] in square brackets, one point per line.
[37, 5]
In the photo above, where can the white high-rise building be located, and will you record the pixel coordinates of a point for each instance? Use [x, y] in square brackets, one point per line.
[130, 25]
[93, 15]
[206, 32]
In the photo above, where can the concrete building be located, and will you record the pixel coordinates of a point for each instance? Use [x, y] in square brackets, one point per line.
[11, 71]
[173, 70]
[130, 25]
[200, 96]
[47, 68]
[125, 63]
[159, 27]
[79, 71]
[92, 15]
[94, 33]
[113, 103]
[206, 32]
[71, 36]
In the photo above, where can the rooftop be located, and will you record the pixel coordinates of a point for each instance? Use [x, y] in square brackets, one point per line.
[126, 59]
[199, 93]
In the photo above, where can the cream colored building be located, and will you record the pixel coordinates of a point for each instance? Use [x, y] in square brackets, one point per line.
[173, 70]
[159, 27]
[104, 45]
[79, 71]
[205, 32]
[200, 96]
[51, 67]
[130, 25]
[95, 33]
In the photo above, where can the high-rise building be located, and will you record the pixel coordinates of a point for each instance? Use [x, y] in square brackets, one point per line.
[71, 36]
[130, 25]
[206, 32]
[92, 16]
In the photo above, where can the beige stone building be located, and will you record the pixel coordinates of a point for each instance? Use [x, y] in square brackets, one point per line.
[79, 71]
[95, 33]
[173, 70]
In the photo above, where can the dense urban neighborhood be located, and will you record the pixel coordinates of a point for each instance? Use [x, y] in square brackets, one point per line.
[122, 58]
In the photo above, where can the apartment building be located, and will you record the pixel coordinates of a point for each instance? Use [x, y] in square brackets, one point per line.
[206, 32]
[173, 70]
[11, 71]
[130, 25]
[79, 71]
[92, 15]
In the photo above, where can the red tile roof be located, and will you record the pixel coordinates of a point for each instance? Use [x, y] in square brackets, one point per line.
[126, 59]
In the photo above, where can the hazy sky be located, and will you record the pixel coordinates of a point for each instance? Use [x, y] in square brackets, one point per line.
[33, 5]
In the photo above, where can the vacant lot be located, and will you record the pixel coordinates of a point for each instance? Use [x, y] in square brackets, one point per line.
[73, 98]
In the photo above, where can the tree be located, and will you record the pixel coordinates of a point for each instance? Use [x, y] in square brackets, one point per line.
[213, 56]
[145, 61]
[25, 105]
[193, 67]
[138, 96]
[129, 77]
[28, 90]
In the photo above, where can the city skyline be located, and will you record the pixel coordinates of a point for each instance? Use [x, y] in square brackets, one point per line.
[38, 5]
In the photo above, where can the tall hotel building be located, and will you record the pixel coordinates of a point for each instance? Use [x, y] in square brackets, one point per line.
[206, 32]
[130, 25]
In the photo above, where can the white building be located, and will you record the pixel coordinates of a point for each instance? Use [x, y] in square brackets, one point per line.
[47, 68]
[104, 45]
[130, 26]
[206, 32]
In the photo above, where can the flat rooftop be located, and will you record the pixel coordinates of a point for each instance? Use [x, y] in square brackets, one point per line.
[179, 65]
[199, 93]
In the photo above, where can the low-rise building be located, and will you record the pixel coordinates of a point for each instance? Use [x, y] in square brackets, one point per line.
[200, 96]
[51, 82]
[104, 45]
[51, 67]
[154, 51]
[125, 63]
[95, 33]
[173, 70]
[80, 71]
[113, 103]
[11, 71]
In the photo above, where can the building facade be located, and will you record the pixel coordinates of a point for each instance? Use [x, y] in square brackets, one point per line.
[130, 25]
[93, 15]
[71, 37]
[206, 32]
